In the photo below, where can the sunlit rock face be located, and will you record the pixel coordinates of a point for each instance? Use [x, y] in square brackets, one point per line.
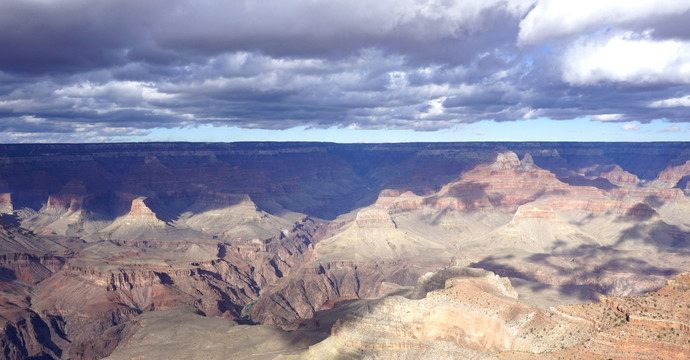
[6, 203]
[468, 250]
[476, 314]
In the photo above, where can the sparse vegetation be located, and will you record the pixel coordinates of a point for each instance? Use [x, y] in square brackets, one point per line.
[246, 312]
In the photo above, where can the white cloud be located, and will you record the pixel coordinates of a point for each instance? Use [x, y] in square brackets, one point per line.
[530, 114]
[397, 80]
[435, 108]
[607, 117]
[630, 127]
[671, 129]
[628, 57]
[33, 119]
[672, 102]
[122, 92]
[553, 18]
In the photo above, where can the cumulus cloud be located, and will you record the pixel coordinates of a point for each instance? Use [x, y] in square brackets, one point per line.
[607, 117]
[683, 101]
[630, 127]
[89, 70]
[554, 18]
[627, 57]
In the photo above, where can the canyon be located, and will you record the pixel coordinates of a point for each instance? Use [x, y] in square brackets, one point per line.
[345, 251]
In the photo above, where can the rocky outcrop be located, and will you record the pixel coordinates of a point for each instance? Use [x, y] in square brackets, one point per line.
[374, 236]
[504, 184]
[617, 176]
[308, 290]
[235, 216]
[139, 210]
[650, 311]
[29, 336]
[139, 223]
[70, 198]
[30, 268]
[672, 175]
[374, 218]
[399, 201]
[64, 202]
[91, 300]
[476, 314]
[6, 206]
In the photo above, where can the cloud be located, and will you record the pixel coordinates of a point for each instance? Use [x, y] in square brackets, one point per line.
[554, 18]
[628, 57]
[302, 27]
[671, 129]
[89, 70]
[630, 127]
[672, 102]
[607, 117]
[71, 35]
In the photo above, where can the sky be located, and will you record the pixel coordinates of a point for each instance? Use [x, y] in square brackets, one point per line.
[344, 70]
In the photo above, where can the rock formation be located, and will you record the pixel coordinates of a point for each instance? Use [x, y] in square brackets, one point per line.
[478, 315]
[6, 203]
[672, 175]
[101, 244]
[234, 216]
[139, 223]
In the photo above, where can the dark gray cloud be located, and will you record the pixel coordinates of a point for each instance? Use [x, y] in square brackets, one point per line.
[83, 70]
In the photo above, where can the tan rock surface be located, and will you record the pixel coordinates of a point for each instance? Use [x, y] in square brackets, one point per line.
[234, 216]
[478, 315]
[672, 174]
[6, 206]
[181, 333]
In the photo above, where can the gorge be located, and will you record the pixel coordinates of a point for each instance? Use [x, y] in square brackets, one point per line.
[345, 251]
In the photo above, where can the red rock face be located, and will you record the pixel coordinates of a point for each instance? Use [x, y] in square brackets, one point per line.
[620, 177]
[671, 175]
[603, 204]
[508, 183]
[398, 201]
[71, 197]
[6, 203]
[64, 202]
[140, 210]
[504, 184]
[641, 194]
